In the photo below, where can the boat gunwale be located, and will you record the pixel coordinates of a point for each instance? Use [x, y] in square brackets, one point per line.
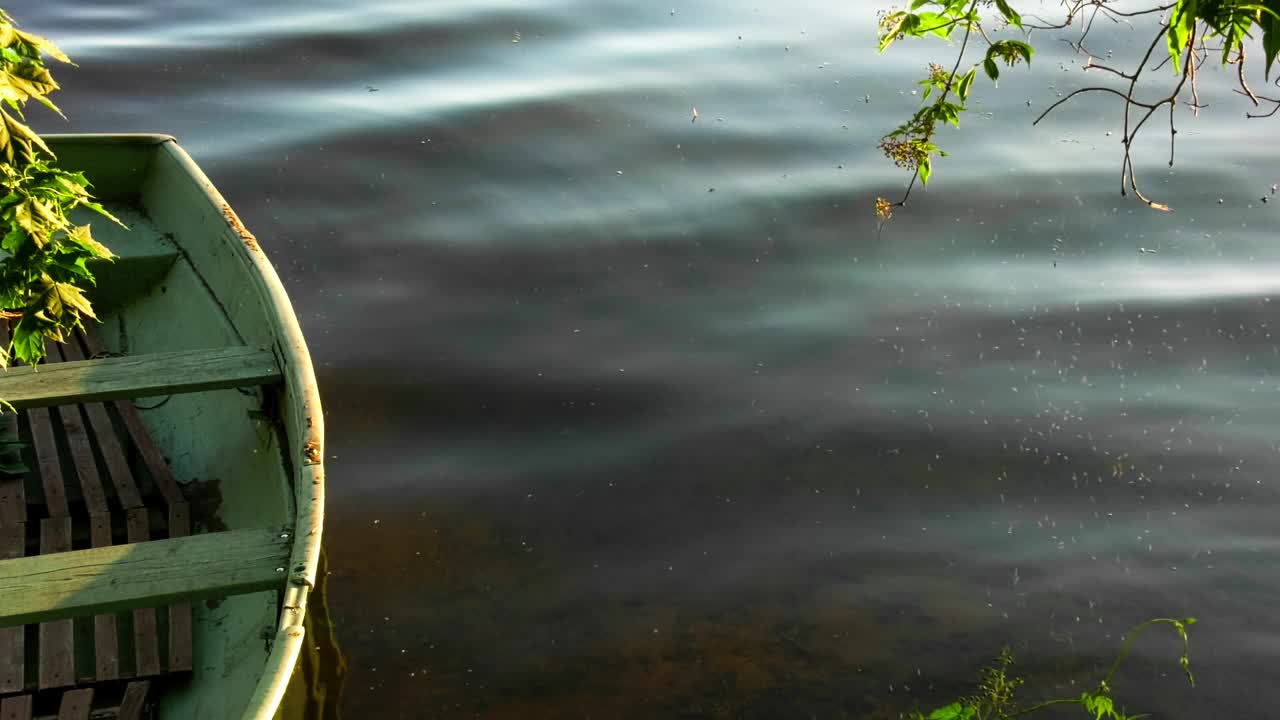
[305, 439]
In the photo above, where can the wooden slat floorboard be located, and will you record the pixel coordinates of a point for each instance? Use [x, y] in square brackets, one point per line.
[13, 652]
[76, 704]
[16, 708]
[13, 544]
[108, 443]
[152, 458]
[106, 645]
[77, 436]
[113, 455]
[135, 697]
[55, 493]
[13, 498]
[57, 638]
[13, 495]
[180, 653]
[56, 667]
[151, 455]
[146, 641]
[138, 376]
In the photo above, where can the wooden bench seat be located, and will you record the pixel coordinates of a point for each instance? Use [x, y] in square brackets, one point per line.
[114, 578]
[114, 378]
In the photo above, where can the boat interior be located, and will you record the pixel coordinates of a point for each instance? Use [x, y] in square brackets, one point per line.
[149, 512]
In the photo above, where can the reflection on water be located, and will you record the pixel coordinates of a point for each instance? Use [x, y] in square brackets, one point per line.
[633, 415]
[315, 688]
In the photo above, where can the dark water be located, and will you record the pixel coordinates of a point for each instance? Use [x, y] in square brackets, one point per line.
[634, 416]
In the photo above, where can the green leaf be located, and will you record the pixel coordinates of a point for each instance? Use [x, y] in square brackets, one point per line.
[946, 112]
[966, 81]
[11, 456]
[74, 181]
[41, 45]
[1270, 35]
[1023, 49]
[18, 131]
[1009, 13]
[891, 27]
[1180, 25]
[77, 268]
[954, 711]
[926, 169]
[103, 212]
[1231, 39]
[30, 78]
[82, 236]
[993, 72]
[14, 240]
[24, 217]
[935, 24]
[911, 24]
[49, 104]
[28, 340]
[45, 214]
[63, 298]
[1100, 705]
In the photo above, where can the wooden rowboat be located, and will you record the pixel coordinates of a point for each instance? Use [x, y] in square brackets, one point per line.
[157, 555]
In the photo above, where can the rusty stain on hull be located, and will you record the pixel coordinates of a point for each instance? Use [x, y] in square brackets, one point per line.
[249, 240]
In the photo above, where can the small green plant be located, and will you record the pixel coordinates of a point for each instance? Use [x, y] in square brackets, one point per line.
[994, 698]
[44, 257]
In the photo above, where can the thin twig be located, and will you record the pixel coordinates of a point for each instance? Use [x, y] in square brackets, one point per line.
[1128, 100]
[1239, 62]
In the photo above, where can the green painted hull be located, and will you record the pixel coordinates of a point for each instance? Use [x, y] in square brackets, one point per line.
[190, 277]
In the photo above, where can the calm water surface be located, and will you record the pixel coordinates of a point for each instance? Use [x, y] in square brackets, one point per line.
[635, 416]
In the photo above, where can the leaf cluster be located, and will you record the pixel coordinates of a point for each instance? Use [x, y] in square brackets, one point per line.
[1186, 27]
[911, 145]
[995, 696]
[44, 257]
[1232, 21]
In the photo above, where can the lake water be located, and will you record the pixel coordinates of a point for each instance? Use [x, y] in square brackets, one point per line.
[636, 416]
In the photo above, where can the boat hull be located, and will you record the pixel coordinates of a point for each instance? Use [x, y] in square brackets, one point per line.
[190, 276]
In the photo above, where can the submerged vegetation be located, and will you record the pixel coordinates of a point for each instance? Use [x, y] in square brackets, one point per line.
[995, 696]
[1189, 30]
[45, 263]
